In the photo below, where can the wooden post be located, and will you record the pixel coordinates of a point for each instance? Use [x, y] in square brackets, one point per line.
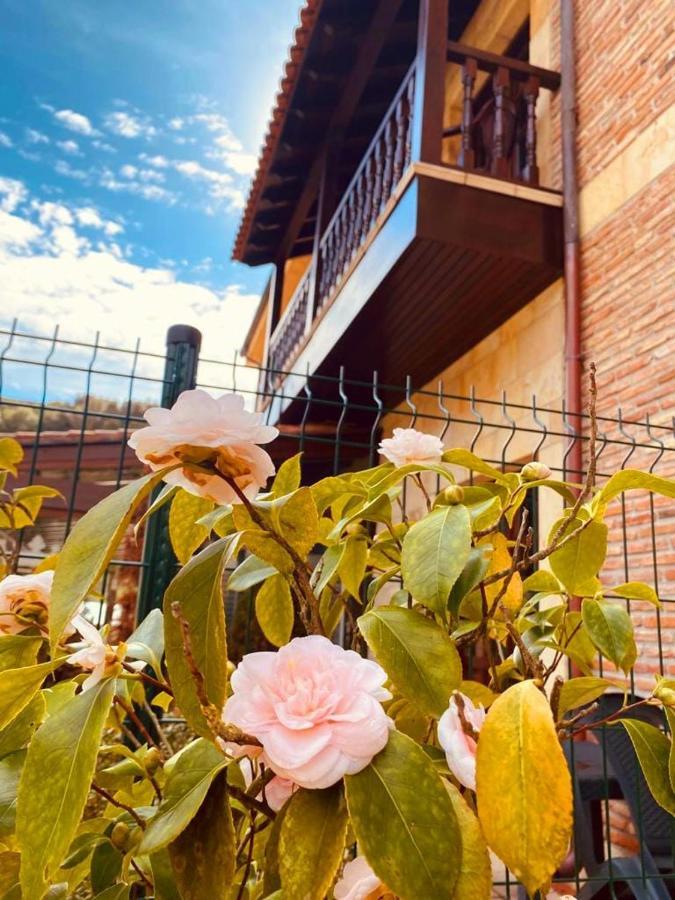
[274, 313]
[467, 156]
[501, 85]
[531, 172]
[325, 206]
[428, 108]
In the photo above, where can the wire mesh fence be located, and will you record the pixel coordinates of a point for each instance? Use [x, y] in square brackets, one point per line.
[72, 406]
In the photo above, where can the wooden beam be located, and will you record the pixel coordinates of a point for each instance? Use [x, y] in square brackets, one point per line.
[427, 121]
[490, 62]
[369, 49]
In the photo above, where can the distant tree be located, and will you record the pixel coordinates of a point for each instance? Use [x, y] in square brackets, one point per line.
[102, 412]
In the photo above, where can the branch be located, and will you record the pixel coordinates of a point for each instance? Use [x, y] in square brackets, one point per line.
[139, 820]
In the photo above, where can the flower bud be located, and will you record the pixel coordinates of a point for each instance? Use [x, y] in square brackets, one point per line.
[153, 760]
[356, 529]
[451, 496]
[665, 692]
[535, 471]
[119, 836]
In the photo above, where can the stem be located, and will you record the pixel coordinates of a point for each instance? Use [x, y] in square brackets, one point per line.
[158, 727]
[249, 860]
[140, 821]
[609, 718]
[131, 712]
[251, 803]
[143, 676]
[420, 484]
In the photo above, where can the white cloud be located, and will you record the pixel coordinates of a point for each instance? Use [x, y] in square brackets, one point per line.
[63, 167]
[53, 213]
[53, 274]
[176, 123]
[70, 147]
[220, 184]
[127, 125]
[75, 121]
[89, 217]
[102, 145]
[109, 181]
[36, 137]
[5, 140]
[12, 194]
[158, 161]
[128, 171]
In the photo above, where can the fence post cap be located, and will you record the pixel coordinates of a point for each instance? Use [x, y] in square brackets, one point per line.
[184, 334]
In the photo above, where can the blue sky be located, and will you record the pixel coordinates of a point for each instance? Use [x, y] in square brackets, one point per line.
[129, 130]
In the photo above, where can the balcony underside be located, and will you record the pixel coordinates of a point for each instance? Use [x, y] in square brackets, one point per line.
[453, 256]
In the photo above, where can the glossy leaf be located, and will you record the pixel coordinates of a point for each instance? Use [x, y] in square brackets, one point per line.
[542, 582]
[198, 588]
[186, 535]
[274, 610]
[670, 716]
[500, 561]
[328, 566]
[288, 476]
[186, 788]
[10, 772]
[468, 460]
[581, 557]
[18, 650]
[653, 749]
[16, 735]
[55, 783]
[249, 573]
[473, 572]
[524, 788]
[294, 517]
[404, 822]
[311, 842]
[435, 551]
[89, 548]
[163, 878]
[581, 691]
[18, 687]
[416, 653]
[610, 628]
[636, 590]
[203, 855]
[475, 874]
[632, 480]
[11, 454]
[147, 641]
[352, 566]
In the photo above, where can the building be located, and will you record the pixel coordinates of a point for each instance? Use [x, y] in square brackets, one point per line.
[479, 194]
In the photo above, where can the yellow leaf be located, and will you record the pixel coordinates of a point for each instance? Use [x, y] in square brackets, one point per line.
[186, 535]
[524, 788]
[501, 559]
[475, 874]
[11, 454]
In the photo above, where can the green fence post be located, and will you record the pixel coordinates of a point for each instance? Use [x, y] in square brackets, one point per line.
[159, 563]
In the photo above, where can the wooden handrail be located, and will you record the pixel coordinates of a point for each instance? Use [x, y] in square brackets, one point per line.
[491, 62]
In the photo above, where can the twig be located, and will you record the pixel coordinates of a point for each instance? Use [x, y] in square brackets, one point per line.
[607, 719]
[420, 485]
[143, 676]
[158, 727]
[130, 736]
[249, 859]
[514, 565]
[555, 696]
[251, 803]
[229, 733]
[531, 663]
[140, 821]
[131, 712]
[144, 877]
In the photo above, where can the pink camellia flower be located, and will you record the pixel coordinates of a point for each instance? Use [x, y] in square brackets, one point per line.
[24, 601]
[314, 707]
[358, 882]
[215, 437]
[96, 656]
[409, 446]
[458, 738]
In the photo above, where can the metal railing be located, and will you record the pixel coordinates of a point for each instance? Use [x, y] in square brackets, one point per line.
[73, 405]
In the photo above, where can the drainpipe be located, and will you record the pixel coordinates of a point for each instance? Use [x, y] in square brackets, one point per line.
[573, 366]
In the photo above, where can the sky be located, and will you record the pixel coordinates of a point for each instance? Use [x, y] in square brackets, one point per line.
[129, 131]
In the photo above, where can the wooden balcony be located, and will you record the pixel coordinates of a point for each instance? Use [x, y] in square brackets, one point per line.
[420, 260]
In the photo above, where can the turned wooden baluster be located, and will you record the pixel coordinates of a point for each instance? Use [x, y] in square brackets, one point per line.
[388, 183]
[410, 97]
[531, 170]
[402, 113]
[327, 266]
[343, 228]
[360, 191]
[500, 162]
[351, 223]
[379, 178]
[467, 156]
[369, 177]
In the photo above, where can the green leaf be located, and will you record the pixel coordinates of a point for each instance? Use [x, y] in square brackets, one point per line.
[542, 582]
[147, 641]
[288, 476]
[329, 565]
[581, 691]
[11, 454]
[186, 788]
[198, 588]
[670, 716]
[311, 842]
[106, 865]
[274, 610]
[582, 556]
[632, 480]
[10, 772]
[19, 686]
[524, 789]
[435, 551]
[473, 572]
[636, 590]
[326, 491]
[475, 874]
[55, 783]
[163, 878]
[468, 460]
[186, 535]
[18, 650]
[294, 517]
[17, 735]
[404, 821]
[250, 572]
[416, 653]
[653, 750]
[610, 628]
[115, 892]
[203, 855]
[352, 565]
[89, 548]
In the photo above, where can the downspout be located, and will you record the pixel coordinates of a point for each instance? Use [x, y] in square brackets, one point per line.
[573, 366]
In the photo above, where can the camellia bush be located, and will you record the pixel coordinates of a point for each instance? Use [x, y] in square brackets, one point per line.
[313, 770]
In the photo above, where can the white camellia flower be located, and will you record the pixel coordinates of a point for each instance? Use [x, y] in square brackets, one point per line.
[460, 747]
[216, 433]
[95, 655]
[24, 601]
[358, 882]
[409, 446]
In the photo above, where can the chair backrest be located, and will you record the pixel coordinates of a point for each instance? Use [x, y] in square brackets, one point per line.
[654, 824]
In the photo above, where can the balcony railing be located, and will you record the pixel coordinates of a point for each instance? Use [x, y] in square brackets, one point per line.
[497, 136]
